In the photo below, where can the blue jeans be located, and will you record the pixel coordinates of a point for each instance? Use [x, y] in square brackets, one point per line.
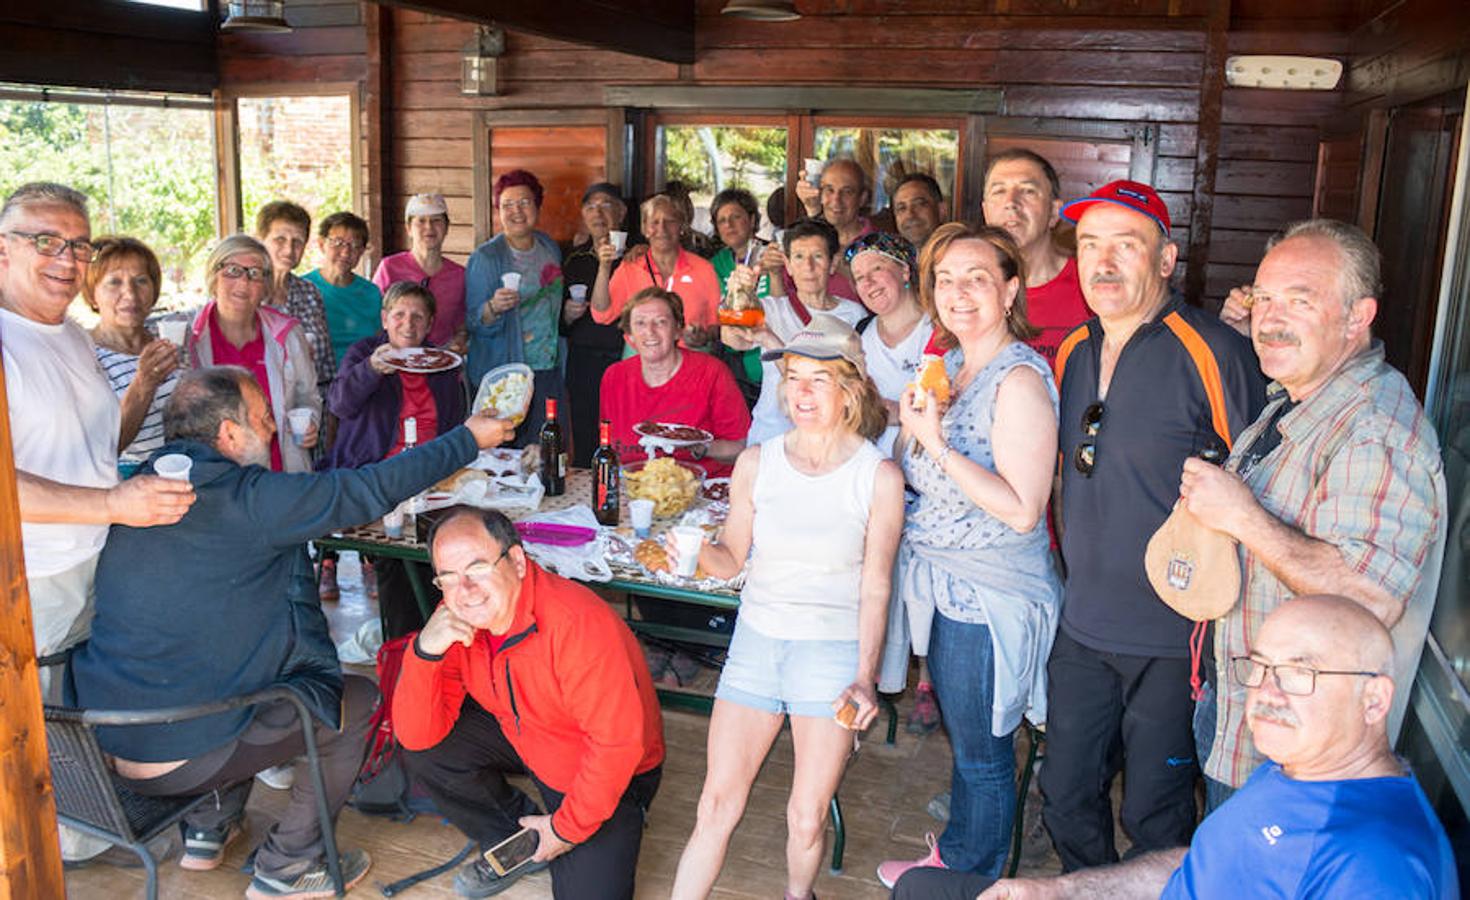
[983, 782]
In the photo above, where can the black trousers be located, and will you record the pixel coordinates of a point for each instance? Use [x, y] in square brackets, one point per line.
[465, 775]
[396, 602]
[1108, 712]
[294, 842]
[940, 884]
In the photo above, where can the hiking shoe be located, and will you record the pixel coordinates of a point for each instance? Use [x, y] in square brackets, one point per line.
[477, 879]
[326, 585]
[314, 882]
[204, 849]
[892, 870]
[279, 777]
[369, 578]
[925, 716]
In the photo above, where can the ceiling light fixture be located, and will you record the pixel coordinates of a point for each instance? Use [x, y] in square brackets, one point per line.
[762, 10]
[1291, 73]
[257, 16]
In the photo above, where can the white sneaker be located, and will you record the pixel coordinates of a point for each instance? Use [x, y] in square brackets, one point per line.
[279, 777]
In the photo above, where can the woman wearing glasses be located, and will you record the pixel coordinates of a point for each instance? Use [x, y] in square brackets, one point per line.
[122, 284]
[513, 298]
[235, 328]
[975, 568]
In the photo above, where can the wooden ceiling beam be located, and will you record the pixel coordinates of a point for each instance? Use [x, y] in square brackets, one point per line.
[656, 29]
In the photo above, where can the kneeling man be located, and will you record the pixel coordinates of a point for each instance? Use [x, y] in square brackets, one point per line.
[522, 671]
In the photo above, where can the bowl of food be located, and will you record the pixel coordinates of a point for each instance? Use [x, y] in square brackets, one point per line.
[671, 485]
[505, 392]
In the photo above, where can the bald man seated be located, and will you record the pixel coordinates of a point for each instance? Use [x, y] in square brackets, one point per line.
[1334, 813]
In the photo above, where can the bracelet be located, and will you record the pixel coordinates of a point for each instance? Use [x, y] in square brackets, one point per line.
[943, 457]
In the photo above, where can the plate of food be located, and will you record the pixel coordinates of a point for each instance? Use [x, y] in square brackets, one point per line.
[671, 485]
[716, 490]
[505, 392]
[673, 434]
[422, 360]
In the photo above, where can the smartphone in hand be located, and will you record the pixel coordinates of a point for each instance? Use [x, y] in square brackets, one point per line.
[847, 714]
[513, 852]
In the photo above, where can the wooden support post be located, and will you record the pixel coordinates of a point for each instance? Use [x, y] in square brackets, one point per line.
[30, 852]
[380, 208]
[1207, 154]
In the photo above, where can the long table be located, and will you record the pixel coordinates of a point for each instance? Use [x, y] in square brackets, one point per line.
[371, 540]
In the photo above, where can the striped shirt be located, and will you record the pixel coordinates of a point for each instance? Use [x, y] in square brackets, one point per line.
[1358, 466]
[121, 368]
[304, 303]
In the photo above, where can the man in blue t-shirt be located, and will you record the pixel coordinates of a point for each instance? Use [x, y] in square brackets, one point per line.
[1333, 814]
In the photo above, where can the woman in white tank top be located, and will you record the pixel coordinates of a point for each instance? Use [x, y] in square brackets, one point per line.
[818, 511]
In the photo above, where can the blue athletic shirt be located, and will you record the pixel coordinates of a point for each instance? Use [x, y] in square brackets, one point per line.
[1279, 837]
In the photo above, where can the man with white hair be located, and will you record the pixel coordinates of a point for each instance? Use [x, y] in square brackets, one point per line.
[1337, 487]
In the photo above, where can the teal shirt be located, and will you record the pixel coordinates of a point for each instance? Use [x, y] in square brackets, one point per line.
[353, 312]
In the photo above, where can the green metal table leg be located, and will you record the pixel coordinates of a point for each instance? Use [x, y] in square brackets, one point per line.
[420, 593]
[1035, 739]
[839, 836]
[892, 710]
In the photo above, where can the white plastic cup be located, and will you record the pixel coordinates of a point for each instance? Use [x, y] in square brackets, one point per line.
[511, 281]
[393, 522]
[776, 237]
[641, 512]
[300, 421]
[687, 541]
[173, 466]
[174, 330]
[578, 292]
[619, 240]
[813, 169]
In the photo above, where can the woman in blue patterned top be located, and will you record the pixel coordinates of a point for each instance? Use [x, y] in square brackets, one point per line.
[975, 567]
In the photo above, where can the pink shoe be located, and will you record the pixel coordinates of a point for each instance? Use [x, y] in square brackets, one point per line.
[889, 872]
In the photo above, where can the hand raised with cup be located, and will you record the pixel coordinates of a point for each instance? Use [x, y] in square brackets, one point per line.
[158, 360]
[146, 500]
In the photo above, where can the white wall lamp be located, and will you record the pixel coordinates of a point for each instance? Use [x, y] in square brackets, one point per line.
[477, 69]
[762, 10]
[1291, 73]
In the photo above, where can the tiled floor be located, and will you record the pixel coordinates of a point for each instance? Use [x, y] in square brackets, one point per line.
[883, 797]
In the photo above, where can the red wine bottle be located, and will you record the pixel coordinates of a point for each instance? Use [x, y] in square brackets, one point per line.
[553, 456]
[606, 475]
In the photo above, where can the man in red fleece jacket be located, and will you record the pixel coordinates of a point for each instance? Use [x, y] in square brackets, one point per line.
[522, 671]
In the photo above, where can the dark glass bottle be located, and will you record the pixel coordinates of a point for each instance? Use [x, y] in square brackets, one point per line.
[553, 454]
[606, 475]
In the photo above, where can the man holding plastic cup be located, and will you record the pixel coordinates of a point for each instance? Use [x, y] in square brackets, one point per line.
[239, 560]
[513, 298]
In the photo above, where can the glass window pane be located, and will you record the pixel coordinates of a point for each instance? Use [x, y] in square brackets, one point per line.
[1451, 623]
[297, 149]
[711, 158]
[148, 172]
[888, 154]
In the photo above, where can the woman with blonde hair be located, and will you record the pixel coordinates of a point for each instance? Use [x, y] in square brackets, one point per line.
[236, 328]
[975, 567]
[818, 512]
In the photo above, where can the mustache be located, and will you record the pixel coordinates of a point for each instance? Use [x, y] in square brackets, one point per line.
[1278, 715]
[1279, 337]
[1103, 278]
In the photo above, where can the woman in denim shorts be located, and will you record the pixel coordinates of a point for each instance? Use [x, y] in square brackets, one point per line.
[818, 511]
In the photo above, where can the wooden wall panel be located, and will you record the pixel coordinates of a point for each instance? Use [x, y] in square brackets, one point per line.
[566, 158]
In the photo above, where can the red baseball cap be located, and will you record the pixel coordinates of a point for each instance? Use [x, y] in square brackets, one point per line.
[1134, 195]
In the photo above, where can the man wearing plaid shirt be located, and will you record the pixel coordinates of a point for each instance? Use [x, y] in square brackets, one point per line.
[1337, 487]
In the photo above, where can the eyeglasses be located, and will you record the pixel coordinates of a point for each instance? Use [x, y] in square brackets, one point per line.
[478, 574]
[523, 203]
[82, 250]
[344, 244]
[1085, 458]
[1298, 681]
[233, 272]
[603, 205]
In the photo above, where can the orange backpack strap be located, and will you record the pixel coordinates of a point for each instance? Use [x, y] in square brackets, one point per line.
[1209, 372]
[1069, 343]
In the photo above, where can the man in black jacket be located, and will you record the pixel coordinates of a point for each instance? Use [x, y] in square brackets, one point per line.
[222, 604]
